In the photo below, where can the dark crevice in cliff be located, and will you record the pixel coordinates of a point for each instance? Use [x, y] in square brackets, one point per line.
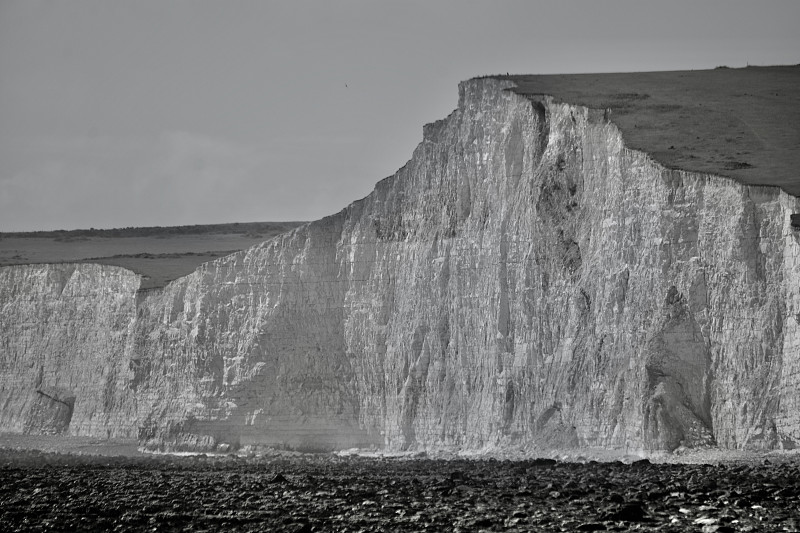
[50, 414]
[543, 123]
[677, 406]
[64, 275]
[504, 332]
[415, 370]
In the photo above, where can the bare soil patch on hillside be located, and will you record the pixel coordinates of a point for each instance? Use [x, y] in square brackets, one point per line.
[158, 254]
[740, 123]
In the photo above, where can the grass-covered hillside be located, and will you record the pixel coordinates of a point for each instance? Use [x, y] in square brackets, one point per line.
[159, 254]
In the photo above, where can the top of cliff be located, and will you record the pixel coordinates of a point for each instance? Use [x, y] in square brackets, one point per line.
[740, 123]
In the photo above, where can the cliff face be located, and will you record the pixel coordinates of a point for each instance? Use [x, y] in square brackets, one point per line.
[65, 333]
[525, 280]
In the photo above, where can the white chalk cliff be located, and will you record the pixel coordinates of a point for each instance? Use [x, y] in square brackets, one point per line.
[524, 281]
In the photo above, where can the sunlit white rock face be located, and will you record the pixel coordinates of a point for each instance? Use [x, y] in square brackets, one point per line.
[65, 332]
[524, 281]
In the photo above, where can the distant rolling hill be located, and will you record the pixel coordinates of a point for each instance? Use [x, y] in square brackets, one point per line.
[159, 254]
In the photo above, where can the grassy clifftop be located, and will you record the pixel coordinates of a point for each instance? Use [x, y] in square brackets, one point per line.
[740, 123]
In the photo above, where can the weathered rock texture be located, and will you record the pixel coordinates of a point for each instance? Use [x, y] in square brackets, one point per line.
[525, 280]
[65, 336]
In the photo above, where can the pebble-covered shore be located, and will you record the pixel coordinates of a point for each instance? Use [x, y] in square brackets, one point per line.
[43, 491]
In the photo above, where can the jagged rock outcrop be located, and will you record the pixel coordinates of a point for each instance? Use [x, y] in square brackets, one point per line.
[524, 281]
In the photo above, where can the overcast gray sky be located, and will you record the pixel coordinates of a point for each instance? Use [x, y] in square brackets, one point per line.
[141, 113]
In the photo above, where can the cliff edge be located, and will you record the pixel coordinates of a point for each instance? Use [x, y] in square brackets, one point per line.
[525, 281]
[740, 123]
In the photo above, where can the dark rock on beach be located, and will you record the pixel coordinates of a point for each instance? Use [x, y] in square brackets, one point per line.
[307, 493]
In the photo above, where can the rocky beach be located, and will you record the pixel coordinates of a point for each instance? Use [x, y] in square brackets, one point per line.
[44, 491]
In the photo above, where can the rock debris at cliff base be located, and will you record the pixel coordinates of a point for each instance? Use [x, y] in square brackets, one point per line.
[324, 493]
[525, 282]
